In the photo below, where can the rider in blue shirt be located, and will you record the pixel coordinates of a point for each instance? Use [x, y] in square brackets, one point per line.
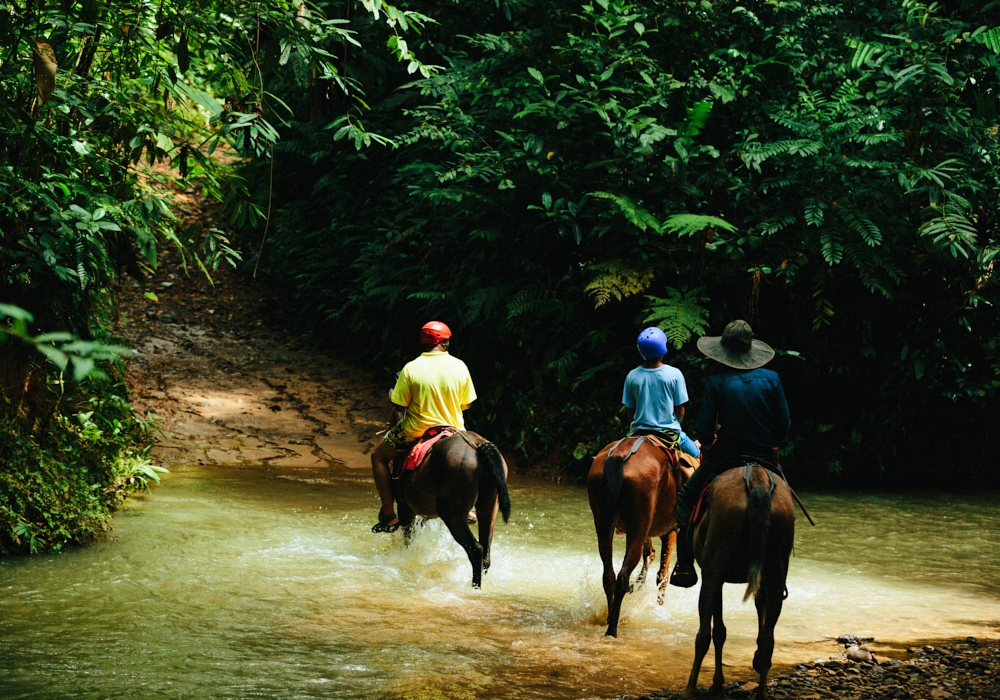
[748, 405]
[655, 393]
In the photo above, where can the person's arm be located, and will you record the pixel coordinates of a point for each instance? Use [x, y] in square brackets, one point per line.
[680, 397]
[399, 397]
[628, 401]
[706, 418]
[468, 391]
[396, 414]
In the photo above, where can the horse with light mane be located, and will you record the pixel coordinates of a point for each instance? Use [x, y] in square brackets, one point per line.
[745, 536]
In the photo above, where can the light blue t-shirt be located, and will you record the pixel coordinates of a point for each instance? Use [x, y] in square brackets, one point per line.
[653, 394]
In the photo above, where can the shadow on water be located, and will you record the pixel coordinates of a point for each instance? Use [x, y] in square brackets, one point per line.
[247, 582]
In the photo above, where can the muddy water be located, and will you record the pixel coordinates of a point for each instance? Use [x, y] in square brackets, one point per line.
[256, 582]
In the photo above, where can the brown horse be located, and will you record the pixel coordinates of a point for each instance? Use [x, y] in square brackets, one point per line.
[745, 536]
[461, 471]
[637, 492]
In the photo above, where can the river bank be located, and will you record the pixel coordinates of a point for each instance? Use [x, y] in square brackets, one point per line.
[963, 669]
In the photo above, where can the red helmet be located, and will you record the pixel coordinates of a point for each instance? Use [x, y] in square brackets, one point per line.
[434, 332]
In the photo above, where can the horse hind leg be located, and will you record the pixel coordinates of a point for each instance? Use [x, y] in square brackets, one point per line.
[667, 543]
[487, 505]
[633, 553]
[605, 546]
[769, 601]
[459, 526]
[719, 640]
[648, 554]
[706, 610]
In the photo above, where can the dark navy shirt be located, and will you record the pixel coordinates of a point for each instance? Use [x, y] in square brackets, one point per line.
[750, 407]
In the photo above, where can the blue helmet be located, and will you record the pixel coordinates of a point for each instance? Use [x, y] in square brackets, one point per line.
[652, 343]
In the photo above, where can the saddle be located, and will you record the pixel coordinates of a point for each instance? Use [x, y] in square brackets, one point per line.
[418, 453]
[681, 464]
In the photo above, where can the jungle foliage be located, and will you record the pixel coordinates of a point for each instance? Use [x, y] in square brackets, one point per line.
[575, 169]
[105, 105]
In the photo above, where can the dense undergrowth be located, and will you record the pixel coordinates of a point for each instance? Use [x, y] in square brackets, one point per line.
[62, 477]
[576, 169]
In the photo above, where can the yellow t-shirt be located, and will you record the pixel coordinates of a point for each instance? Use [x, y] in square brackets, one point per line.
[433, 387]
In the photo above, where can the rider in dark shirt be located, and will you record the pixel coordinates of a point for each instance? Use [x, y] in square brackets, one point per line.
[748, 405]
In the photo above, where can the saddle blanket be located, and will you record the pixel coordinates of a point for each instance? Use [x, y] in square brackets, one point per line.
[417, 453]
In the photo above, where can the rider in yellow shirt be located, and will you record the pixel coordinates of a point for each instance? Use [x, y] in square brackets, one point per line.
[433, 390]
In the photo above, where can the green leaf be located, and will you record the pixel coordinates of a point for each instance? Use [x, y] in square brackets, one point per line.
[690, 224]
[82, 366]
[537, 75]
[164, 143]
[56, 357]
[16, 312]
[60, 337]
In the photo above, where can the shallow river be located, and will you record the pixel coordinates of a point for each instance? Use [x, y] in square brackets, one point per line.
[254, 582]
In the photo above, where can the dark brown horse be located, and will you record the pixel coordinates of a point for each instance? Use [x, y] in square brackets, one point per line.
[637, 495]
[461, 471]
[745, 536]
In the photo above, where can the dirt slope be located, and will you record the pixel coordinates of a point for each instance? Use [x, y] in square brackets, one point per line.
[228, 384]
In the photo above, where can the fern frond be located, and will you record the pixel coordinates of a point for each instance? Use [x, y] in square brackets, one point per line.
[866, 228]
[757, 153]
[863, 52]
[617, 280]
[680, 315]
[832, 246]
[815, 211]
[526, 300]
[690, 224]
[954, 227]
[638, 216]
[427, 296]
[771, 226]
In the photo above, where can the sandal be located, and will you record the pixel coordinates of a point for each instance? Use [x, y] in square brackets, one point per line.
[390, 524]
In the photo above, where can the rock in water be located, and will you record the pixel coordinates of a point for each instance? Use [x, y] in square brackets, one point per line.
[860, 655]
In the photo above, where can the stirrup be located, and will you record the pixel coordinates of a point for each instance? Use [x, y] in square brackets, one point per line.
[683, 576]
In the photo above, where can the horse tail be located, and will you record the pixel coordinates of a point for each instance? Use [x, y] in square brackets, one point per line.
[614, 477]
[490, 454]
[758, 525]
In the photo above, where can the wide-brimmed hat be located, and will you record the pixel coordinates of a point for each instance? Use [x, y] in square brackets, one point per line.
[736, 347]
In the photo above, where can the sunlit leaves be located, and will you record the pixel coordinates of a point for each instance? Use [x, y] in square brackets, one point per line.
[681, 315]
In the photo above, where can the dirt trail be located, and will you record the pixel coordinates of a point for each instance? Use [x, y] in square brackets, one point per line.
[229, 386]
